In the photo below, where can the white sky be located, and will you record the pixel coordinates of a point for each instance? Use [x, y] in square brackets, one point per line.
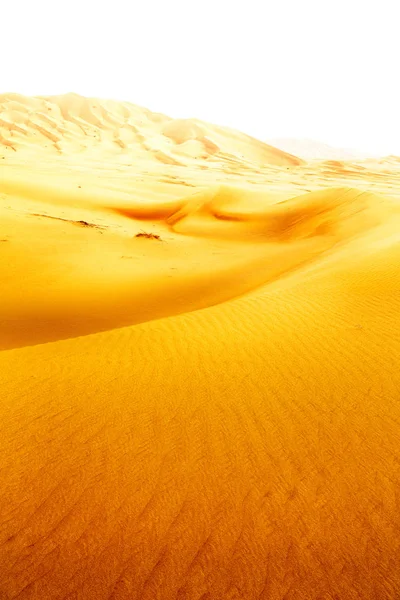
[326, 70]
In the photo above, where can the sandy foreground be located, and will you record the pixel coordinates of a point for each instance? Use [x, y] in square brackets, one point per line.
[210, 409]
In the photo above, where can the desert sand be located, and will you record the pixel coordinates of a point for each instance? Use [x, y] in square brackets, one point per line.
[199, 350]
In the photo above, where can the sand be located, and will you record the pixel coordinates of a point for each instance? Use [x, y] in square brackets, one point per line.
[211, 410]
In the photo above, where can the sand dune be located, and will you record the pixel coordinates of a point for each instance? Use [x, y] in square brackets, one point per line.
[199, 348]
[312, 149]
[252, 239]
[77, 121]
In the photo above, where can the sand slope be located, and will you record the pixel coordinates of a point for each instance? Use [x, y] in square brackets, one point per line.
[208, 414]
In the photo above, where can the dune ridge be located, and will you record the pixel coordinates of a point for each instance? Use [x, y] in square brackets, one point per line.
[251, 241]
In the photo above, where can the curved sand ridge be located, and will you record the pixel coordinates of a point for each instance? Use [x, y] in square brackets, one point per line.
[74, 123]
[102, 277]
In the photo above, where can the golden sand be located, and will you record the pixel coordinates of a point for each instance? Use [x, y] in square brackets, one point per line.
[199, 365]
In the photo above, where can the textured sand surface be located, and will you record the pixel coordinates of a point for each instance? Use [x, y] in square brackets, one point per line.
[210, 411]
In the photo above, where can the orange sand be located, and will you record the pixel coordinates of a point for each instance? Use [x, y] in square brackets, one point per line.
[209, 415]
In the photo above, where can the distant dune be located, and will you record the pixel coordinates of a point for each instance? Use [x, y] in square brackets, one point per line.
[71, 123]
[312, 149]
[199, 362]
